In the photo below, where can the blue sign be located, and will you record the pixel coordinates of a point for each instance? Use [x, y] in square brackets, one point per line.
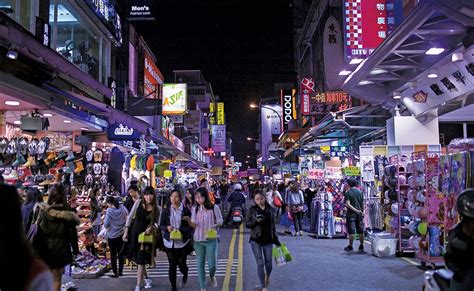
[122, 132]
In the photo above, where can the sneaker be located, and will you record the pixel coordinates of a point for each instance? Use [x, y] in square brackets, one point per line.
[214, 282]
[137, 288]
[361, 249]
[193, 253]
[348, 248]
[301, 233]
[182, 284]
[113, 275]
[148, 283]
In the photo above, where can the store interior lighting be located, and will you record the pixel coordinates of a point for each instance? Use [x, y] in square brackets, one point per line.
[457, 57]
[432, 74]
[434, 51]
[17, 122]
[377, 71]
[355, 61]
[84, 128]
[345, 73]
[67, 121]
[47, 115]
[12, 54]
[365, 82]
[12, 103]
[397, 95]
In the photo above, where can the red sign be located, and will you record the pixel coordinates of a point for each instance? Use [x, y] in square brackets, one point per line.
[152, 78]
[331, 101]
[307, 88]
[316, 174]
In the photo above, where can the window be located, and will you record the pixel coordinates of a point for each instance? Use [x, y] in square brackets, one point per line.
[77, 41]
[19, 10]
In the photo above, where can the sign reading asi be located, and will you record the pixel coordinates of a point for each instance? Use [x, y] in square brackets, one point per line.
[174, 99]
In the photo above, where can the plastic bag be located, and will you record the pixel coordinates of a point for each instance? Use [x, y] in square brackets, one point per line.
[286, 253]
[279, 256]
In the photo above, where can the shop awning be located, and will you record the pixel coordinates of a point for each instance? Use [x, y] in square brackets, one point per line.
[401, 62]
[289, 137]
[184, 158]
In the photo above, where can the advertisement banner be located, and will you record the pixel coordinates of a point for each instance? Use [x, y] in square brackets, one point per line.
[220, 113]
[118, 131]
[152, 78]
[287, 105]
[368, 23]
[212, 113]
[218, 138]
[174, 99]
[140, 10]
[333, 173]
[352, 171]
[331, 101]
[307, 88]
[316, 174]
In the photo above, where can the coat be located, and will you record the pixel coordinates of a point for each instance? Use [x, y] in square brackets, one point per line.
[56, 239]
[255, 227]
[185, 228]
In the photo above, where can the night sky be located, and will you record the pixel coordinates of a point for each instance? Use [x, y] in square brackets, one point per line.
[242, 47]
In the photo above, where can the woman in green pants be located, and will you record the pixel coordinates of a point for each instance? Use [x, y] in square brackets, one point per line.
[205, 219]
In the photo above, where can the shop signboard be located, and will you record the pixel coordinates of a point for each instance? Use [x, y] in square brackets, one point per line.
[252, 171]
[330, 101]
[174, 99]
[218, 138]
[334, 173]
[106, 12]
[288, 107]
[140, 10]
[306, 88]
[352, 171]
[338, 151]
[43, 31]
[118, 131]
[316, 174]
[152, 78]
[333, 53]
[220, 113]
[367, 23]
[242, 174]
[216, 171]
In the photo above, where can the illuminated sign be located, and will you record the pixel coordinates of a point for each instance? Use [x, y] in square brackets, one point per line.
[288, 106]
[220, 113]
[218, 138]
[331, 101]
[140, 10]
[106, 12]
[307, 87]
[174, 99]
[367, 23]
[153, 78]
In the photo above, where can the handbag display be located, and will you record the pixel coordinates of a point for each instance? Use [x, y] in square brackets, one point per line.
[145, 238]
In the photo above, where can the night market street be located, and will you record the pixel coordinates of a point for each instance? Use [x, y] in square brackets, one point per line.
[319, 264]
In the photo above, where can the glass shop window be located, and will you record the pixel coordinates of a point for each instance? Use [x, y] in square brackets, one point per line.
[76, 40]
[19, 10]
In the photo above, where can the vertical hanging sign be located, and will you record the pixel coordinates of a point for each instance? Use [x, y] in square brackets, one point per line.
[307, 88]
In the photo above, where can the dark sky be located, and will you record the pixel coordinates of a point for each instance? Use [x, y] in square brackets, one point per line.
[242, 47]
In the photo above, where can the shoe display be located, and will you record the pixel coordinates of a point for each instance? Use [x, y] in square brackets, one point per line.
[79, 167]
[70, 157]
[30, 162]
[12, 176]
[20, 160]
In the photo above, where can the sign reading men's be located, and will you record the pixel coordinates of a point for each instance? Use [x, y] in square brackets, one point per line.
[140, 10]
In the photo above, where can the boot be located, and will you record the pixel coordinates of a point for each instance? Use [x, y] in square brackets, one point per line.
[60, 164]
[20, 160]
[79, 167]
[31, 162]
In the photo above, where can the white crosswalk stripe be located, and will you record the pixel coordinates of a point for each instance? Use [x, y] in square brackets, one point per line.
[161, 269]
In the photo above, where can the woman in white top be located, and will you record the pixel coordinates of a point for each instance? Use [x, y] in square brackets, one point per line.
[270, 197]
[205, 219]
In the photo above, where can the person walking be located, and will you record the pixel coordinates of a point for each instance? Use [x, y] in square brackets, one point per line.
[189, 200]
[261, 221]
[295, 202]
[273, 196]
[33, 197]
[205, 219]
[21, 268]
[354, 199]
[144, 218]
[115, 219]
[56, 239]
[177, 235]
[224, 189]
[132, 196]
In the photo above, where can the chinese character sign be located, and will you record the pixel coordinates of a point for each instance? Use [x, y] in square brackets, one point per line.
[321, 103]
[218, 140]
[367, 24]
[307, 88]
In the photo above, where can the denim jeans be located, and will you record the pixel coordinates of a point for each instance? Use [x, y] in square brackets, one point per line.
[297, 217]
[206, 249]
[263, 260]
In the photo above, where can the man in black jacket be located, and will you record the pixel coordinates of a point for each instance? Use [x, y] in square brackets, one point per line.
[236, 199]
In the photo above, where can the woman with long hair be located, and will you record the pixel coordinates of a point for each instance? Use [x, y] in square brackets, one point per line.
[173, 225]
[261, 221]
[21, 268]
[144, 218]
[205, 219]
[295, 202]
[115, 219]
[56, 240]
[189, 199]
[33, 197]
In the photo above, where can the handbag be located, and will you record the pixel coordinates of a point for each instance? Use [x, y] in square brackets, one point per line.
[211, 234]
[277, 201]
[33, 230]
[176, 235]
[145, 238]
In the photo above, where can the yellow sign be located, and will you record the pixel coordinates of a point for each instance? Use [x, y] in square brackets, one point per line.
[352, 171]
[220, 113]
[325, 148]
[212, 117]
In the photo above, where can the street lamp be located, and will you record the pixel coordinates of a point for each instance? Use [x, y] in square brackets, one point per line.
[252, 105]
[251, 139]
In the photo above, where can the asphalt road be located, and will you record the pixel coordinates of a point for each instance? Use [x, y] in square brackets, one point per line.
[318, 264]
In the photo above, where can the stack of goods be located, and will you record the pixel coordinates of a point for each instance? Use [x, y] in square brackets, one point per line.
[88, 266]
[391, 203]
[97, 168]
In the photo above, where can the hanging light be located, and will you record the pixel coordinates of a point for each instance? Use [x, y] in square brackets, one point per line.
[432, 74]
[397, 95]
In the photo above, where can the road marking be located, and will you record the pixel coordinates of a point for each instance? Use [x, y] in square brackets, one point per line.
[240, 258]
[411, 261]
[226, 284]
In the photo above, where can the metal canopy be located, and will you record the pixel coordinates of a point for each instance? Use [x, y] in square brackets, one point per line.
[402, 56]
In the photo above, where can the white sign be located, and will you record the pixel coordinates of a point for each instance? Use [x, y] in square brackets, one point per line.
[123, 130]
[174, 99]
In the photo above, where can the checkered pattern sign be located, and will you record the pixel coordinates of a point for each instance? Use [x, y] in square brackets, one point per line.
[353, 20]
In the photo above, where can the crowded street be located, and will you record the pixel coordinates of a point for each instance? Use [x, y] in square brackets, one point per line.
[236, 145]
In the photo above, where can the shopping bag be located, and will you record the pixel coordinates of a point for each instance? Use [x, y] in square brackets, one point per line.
[286, 253]
[279, 256]
[145, 238]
